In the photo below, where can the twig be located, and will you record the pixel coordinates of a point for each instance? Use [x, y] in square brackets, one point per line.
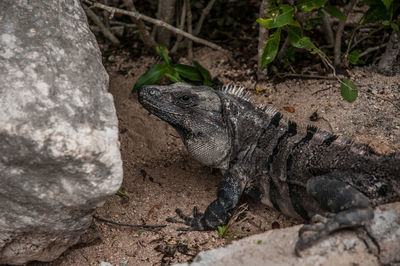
[165, 13]
[371, 49]
[157, 22]
[365, 37]
[339, 33]
[143, 226]
[321, 90]
[262, 38]
[105, 17]
[180, 26]
[385, 99]
[391, 53]
[106, 32]
[282, 52]
[189, 29]
[329, 124]
[327, 28]
[143, 32]
[284, 75]
[204, 14]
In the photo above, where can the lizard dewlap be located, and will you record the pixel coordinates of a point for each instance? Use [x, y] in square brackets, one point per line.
[301, 172]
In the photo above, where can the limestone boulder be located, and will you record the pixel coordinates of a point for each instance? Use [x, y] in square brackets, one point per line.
[59, 149]
[276, 247]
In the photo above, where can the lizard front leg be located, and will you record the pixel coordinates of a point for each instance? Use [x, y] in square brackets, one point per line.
[348, 208]
[218, 212]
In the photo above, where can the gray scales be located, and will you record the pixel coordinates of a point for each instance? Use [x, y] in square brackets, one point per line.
[303, 173]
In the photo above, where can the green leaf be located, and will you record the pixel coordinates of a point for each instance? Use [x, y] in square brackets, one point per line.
[394, 26]
[386, 23]
[297, 40]
[319, 3]
[295, 23]
[305, 5]
[204, 72]
[121, 193]
[188, 72]
[375, 13]
[222, 230]
[271, 48]
[349, 90]
[163, 53]
[267, 23]
[279, 21]
[387, 3]
[295, 34]
[173, 77]
[335, 12]
[354, 56]
[285, 18]
[153, 75]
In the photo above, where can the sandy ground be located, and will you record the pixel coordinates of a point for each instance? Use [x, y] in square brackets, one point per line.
[159, 176]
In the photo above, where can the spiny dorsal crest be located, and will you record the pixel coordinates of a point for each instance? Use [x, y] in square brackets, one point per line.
[239, 91]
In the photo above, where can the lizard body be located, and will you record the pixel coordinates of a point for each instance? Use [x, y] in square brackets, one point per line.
[300, 172]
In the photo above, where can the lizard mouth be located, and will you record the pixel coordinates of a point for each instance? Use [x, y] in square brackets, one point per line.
[157, 110]
[148, 98]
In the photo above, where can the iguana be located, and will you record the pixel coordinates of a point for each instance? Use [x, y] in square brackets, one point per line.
[303, 173]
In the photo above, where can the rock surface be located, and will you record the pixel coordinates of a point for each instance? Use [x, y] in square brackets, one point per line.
[59, 149]
[275, 247]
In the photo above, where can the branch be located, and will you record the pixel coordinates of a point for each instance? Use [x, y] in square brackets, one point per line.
[189, 29]
[282, 52]
[157, 22]
[143, 226]
[339, 33]
[144, 34]
[383, 98]
[371, 49]
[205, 12]
[366, 36]
[390, 55]
[262, 38]
[305, 76]
[106, 32]
[180, 26]
[328, 29]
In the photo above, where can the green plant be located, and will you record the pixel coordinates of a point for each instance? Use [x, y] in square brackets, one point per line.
[175, 72]
[223, 230]
[385, 13]
[239, 216]
[282, 18]
[121, 193]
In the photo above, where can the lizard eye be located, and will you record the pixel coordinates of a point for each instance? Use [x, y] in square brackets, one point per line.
[185, 100]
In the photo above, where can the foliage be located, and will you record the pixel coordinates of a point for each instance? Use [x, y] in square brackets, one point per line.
[348, 90]
[224, 230]
[121, 193]
[282, 18]
[176, 72]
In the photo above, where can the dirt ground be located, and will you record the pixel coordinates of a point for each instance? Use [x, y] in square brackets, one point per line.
[159, 176]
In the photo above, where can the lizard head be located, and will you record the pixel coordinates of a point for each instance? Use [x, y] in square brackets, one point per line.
[196, 114]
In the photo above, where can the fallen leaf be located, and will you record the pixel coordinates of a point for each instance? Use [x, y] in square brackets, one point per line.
[290, 109]
[157, 206]
[259, 90]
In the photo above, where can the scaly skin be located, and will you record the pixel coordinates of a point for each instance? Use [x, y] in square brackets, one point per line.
[301, 173]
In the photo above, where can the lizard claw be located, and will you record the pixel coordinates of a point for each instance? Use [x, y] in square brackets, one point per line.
[195, 223]
[324, 226]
